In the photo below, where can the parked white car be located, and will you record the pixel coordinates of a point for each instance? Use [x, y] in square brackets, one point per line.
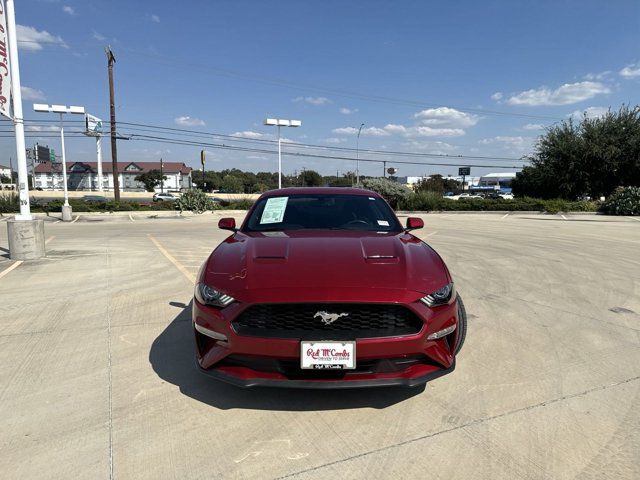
[465, 195]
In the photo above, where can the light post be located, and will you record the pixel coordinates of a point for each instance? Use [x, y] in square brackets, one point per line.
[358, 155]
[281, 123]
[61, 109]
[161, 176]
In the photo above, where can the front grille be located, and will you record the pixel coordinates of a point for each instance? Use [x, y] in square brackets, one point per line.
[299, 321]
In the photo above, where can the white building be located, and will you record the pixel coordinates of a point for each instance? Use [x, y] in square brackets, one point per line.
[5, 171]
[84, 176]
[497, 181]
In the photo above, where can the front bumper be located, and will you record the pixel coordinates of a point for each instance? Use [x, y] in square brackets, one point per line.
[272, 362]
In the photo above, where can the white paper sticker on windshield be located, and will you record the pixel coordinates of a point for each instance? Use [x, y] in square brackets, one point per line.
[371, 198]
[383, 223]
[274, 210]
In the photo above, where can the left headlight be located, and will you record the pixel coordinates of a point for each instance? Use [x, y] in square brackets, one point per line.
[210, 296]
[442, 296]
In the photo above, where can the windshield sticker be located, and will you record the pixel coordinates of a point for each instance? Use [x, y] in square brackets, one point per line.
[383, 223]
[371, 198]
[274, 210]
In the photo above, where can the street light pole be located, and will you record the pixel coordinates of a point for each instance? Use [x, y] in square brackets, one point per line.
[281, 123]
[161, 177]
[99, 158]
[358, 155]
[61, 109]
[64, 165]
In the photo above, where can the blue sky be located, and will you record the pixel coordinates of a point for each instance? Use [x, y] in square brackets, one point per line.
[456, 78]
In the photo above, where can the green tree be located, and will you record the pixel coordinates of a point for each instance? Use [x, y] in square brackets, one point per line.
[311, 178]
[592, 157]
[232, 184]
[150, 179]
[436, 183]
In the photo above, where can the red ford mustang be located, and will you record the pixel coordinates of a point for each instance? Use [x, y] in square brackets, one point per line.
[324, 288]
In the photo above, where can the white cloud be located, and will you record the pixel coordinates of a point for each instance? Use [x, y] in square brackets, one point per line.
[38, 128]
[31, 39]
[248, 134]
[564, 95]
[369, 131]
[515, 145]
[598, 76]
[424, 131]
[29, 93]
[154, 18]
[497, 96]
[348, 111]
[446, 117]
[334, 140]
[256, 157]
[313, 100]
[394, 129]
[98, 36]
[533, 126]
[187, 121]
[590, 112]
[630, 71]
[431, 146]
[69, 10]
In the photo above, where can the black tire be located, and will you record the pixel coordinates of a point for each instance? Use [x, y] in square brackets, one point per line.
[462, 325]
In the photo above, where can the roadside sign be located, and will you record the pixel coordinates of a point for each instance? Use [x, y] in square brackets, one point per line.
[93, 126]
[464, 171]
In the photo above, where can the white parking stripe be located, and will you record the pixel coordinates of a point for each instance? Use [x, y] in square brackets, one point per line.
[75, 219]
[563, 217]
[49, 239]
[505, 215]
[131, 218]
[11, 267]
[432, 233]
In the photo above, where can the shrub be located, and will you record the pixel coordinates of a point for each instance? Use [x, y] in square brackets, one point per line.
[195, 201]
[394, 193]
[623, 201]
[9, 203]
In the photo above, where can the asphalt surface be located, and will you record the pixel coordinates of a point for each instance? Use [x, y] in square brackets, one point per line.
[97, 377]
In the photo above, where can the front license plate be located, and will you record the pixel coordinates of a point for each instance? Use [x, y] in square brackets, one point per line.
[327, 355]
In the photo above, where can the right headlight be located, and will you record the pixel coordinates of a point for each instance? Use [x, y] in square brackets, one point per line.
[210, 296]
[442, 296]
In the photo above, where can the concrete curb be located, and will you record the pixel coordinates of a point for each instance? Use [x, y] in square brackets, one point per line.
[494, 212]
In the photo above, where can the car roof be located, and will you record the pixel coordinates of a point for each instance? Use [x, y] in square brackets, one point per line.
[292, 191]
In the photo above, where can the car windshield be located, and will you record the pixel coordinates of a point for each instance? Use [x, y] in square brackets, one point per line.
[322, 211]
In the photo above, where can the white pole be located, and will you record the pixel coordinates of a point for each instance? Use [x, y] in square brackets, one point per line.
[18, 120]
[279, 160]
[99, 155]
[64, 164]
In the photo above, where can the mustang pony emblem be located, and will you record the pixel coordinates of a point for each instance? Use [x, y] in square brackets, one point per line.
[329, 318]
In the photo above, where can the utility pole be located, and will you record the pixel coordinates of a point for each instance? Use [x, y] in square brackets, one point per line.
[112, 105]
[161, 177]
[358, 156]
[384, 168]
[202, 160]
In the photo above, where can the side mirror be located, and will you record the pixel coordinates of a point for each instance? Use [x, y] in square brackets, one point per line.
[227, 224]
[414, 223]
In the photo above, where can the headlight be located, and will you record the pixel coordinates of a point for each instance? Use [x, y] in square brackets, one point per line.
[210, 296]
[442, 296]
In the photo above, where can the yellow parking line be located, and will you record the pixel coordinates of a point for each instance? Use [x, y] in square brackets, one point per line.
[11, 267]
[190, 276]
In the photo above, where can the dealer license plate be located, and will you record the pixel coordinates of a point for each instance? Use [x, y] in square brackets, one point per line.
[328, 355]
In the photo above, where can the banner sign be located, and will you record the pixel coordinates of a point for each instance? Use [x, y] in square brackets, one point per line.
[93, 125]
[5, 75]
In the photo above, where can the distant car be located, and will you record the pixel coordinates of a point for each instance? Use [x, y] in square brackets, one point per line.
[470, 196]
[506, 196]
[94, 199]
[164, 197]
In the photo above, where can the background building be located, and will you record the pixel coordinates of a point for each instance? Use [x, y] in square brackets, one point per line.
[84, 175]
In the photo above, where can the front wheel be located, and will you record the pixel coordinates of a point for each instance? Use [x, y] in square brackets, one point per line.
[462, 325]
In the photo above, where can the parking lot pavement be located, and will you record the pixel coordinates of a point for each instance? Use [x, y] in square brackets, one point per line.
[97, 378]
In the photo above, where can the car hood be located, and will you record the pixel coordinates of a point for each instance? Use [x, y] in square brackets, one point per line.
[324, 261]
